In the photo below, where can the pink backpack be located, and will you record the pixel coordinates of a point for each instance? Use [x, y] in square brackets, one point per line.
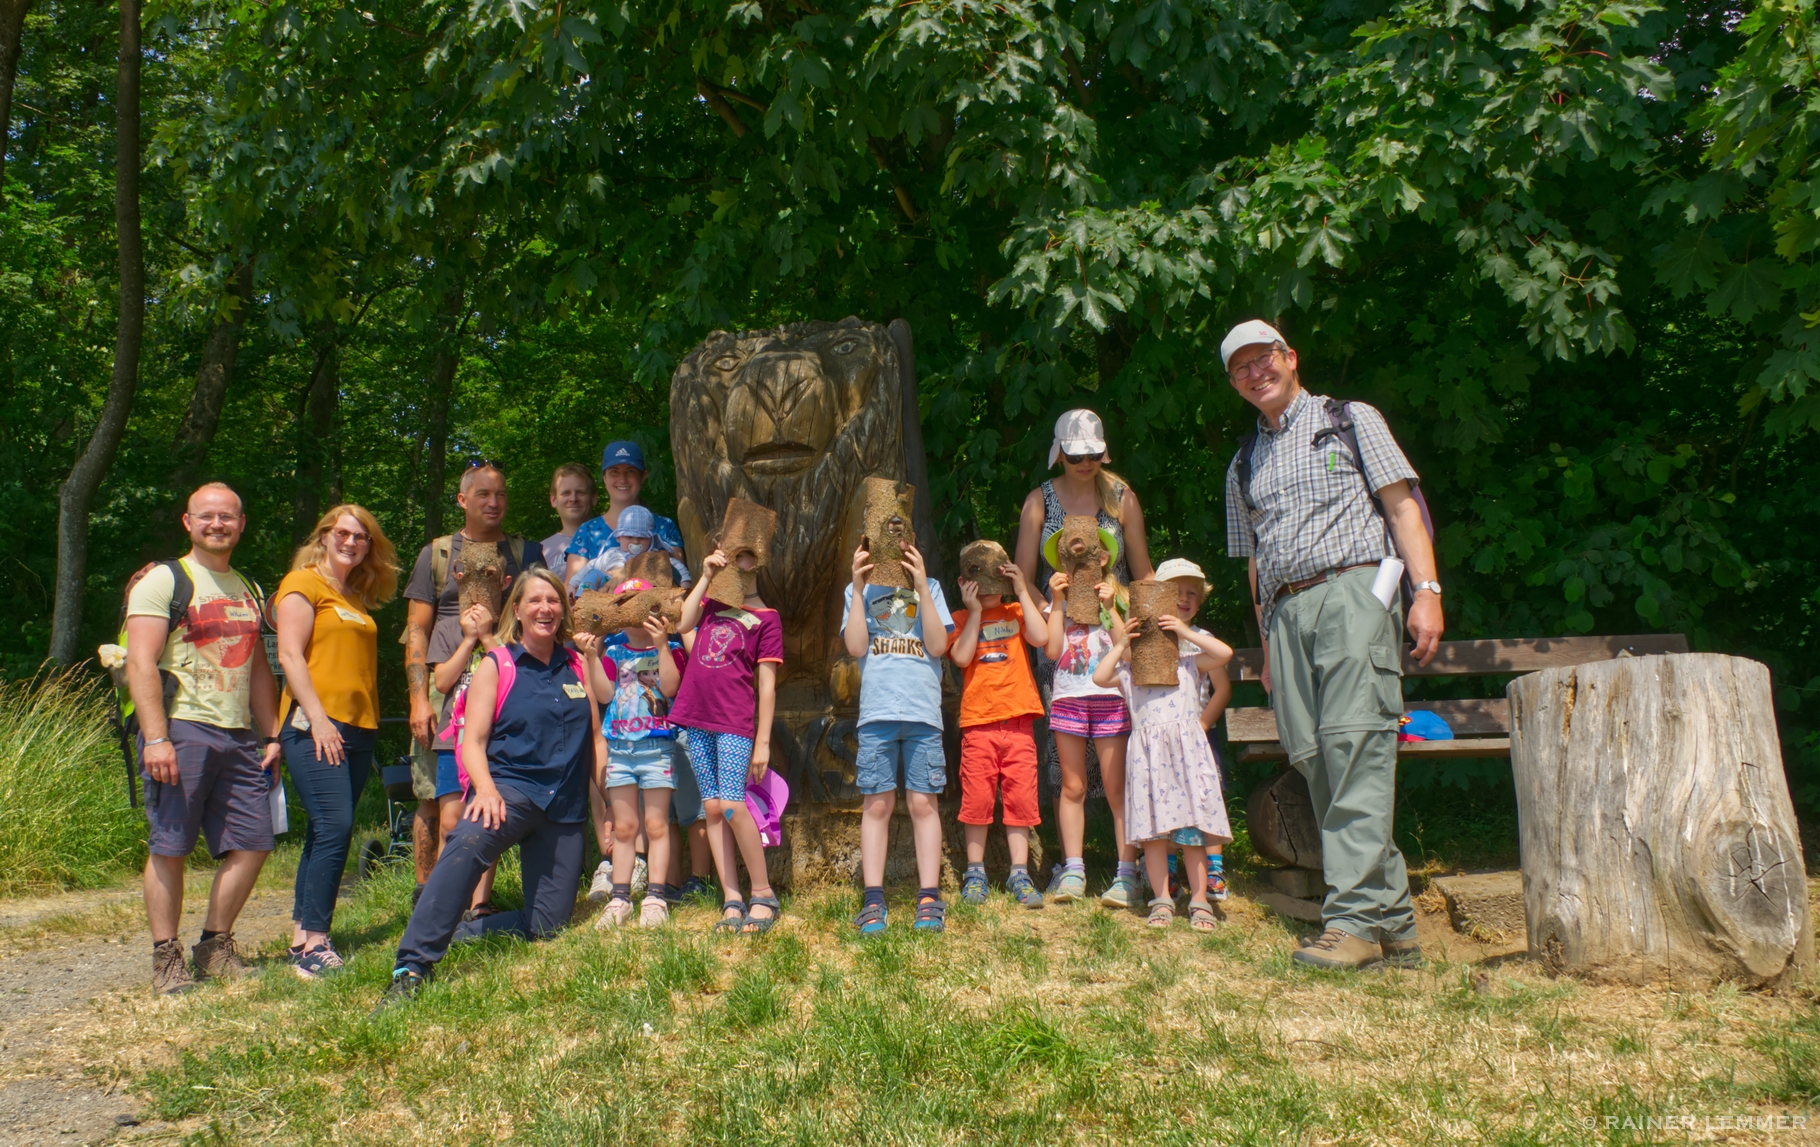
[508, 676]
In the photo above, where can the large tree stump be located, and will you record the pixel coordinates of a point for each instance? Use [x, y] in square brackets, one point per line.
[1658, 839]
[1280, 818]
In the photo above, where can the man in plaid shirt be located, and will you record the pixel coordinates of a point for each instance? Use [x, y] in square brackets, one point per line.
[1315, 521]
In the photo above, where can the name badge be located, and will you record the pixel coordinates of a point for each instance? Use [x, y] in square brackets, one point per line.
[349, 615]
[749, 620]
[575, 691]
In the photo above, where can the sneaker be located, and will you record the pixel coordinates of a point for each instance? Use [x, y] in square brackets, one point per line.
[1339, 951]
[601, 887]
[215, 958]
[616, 912]
[641, 877]
[973, 888]
[654, 913]
[1403, 953]
[1216, 885]
[170, 971]
[1066, 887]
[404, 986]
[317, 962]
[1021, 886]
[1121, 893]
[694, 886]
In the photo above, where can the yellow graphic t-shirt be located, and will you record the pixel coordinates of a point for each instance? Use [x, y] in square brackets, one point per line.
[211, 655]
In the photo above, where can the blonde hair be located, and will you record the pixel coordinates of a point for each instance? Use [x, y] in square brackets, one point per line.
[571, 470]
[1109, 490]
[507, 630]
[375, 580]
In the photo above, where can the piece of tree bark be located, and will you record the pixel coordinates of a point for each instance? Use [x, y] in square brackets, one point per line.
[78, 491]
[1658, 839]
[443, 362]
[12, 31]
[196, 434]
[315, 434]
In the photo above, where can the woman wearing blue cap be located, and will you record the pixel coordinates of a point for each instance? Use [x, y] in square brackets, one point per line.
[622, 472]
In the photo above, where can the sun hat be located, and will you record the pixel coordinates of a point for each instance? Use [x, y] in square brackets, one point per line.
[1251, 332]
[624, 452]
[1078, 432]
[1179, 567]
[765, 800]
[632, 585]
[1107, 541]
[636, 522]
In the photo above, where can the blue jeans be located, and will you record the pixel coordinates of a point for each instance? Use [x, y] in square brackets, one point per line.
[884, 745]
[329, 794]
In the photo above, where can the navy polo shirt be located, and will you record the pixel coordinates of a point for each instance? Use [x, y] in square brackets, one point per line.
[541, 746]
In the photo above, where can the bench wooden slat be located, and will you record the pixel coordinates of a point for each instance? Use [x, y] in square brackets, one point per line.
[1429, 750]
[1467, 718]
[1503, 655]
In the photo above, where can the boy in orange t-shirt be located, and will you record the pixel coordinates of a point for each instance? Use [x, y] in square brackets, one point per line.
[998, 706]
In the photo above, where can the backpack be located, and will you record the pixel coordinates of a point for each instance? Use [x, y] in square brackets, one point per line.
[440, 551]
[1339, 419]
[508, 676]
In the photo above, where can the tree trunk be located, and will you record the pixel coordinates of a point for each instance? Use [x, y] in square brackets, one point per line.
[12, 30]
[78, 491]
[314, 435]
[190, 445]
[1658, 839]
[1280, 817]
[442, 388]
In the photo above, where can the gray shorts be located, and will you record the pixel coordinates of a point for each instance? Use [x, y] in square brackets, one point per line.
[221, 793]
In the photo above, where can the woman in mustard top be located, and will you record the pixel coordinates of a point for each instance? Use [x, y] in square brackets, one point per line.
[329, 714]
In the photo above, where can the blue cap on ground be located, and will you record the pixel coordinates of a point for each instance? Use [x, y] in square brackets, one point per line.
[622, 453]
[636, 522]
[1418, 722]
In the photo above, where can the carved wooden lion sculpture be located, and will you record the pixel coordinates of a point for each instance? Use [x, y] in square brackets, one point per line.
[795, 419]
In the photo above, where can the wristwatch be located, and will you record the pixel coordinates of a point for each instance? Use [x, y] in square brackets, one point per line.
[1433, 587]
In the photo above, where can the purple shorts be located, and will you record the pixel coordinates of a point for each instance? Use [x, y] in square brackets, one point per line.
[221, 793]
[1090, 717]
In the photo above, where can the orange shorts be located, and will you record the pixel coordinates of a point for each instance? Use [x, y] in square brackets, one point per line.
[1001, 754]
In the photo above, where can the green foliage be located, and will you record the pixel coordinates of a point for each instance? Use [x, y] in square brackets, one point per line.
[64, 818]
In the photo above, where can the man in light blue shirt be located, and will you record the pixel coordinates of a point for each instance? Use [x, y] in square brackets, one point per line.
[899, 636]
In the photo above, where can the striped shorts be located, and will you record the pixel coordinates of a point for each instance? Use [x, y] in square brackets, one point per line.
[1090, 717]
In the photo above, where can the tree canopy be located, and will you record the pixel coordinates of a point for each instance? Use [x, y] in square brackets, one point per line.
[1567, 246]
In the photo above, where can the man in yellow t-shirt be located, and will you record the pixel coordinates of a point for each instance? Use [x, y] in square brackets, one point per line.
[206, 772]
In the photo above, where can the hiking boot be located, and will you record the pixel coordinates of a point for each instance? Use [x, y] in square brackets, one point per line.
[404, 986]
[316, 963]
[601, 886]
[170, 971]
[215, 958]
[1338, 951]
[973, 888]
[641, 877]
[1021, 886]
[1121, 893]
[1066, 887]
[1404, 953]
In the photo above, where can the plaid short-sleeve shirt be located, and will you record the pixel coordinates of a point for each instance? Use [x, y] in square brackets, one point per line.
[1310, 508]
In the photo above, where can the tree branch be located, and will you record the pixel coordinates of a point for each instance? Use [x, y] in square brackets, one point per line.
[714, 99]
[903, 195]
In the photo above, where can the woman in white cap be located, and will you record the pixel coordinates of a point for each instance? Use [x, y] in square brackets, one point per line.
[1085, 486]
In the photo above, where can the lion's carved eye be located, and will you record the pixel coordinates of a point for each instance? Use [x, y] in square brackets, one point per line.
[846, 346]
[726, 362]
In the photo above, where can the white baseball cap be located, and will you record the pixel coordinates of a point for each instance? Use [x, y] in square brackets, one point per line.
[1078, 432]
[1251, 332]
[1179, 567]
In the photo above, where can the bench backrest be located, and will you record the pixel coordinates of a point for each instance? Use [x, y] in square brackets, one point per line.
[1502, 655]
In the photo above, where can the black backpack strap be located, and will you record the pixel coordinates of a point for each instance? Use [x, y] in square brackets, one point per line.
[1246, 445]
[183, 590]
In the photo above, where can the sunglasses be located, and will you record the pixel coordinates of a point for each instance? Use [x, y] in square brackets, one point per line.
[1077, 459]
[485, 464]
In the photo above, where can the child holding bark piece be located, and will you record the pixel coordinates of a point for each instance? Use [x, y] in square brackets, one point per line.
[998, 704]
[1172, 781]
[1191, 590]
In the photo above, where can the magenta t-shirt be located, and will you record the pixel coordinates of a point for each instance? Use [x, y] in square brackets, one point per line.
[719, 693]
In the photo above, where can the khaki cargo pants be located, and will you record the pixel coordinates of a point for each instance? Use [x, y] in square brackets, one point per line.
[423, 761]
[1336, 685]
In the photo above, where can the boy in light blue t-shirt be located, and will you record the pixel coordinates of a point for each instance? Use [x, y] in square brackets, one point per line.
[899, 637]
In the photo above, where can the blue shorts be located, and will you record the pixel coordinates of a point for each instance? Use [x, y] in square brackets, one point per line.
[884, 745]
[720, 762]
[448, 777]
[647, 763]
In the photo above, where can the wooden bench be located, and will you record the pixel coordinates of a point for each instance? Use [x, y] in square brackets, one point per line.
[1481, 727]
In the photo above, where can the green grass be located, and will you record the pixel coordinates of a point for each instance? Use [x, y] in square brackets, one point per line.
[64, 818]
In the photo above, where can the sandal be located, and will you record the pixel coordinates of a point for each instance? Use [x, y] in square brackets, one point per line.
[1201, 917]
[758, 925]
[931, 915]
[479, 912]
[1162, 912]
[871, 919]
[730, 924]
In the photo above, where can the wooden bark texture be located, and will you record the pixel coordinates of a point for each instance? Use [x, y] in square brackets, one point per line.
[1658, 839]
[1281, 819]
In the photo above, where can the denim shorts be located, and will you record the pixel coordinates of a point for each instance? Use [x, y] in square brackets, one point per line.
[884, 744]
[685, 802]
[448, 777]
[649, 763]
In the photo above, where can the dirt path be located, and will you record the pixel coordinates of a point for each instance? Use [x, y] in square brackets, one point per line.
[67, 964]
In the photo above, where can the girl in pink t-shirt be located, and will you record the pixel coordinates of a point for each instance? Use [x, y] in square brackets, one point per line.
[724, 710]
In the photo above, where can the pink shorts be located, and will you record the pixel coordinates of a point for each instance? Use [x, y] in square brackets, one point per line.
[1091, 717]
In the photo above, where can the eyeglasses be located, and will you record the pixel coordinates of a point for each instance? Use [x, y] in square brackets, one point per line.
[1077, 459]
[1253, 368]
[211, 519]
[346, 536]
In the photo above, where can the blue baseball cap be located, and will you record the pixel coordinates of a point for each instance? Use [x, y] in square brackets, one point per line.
[622, 453]
[636, 522]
